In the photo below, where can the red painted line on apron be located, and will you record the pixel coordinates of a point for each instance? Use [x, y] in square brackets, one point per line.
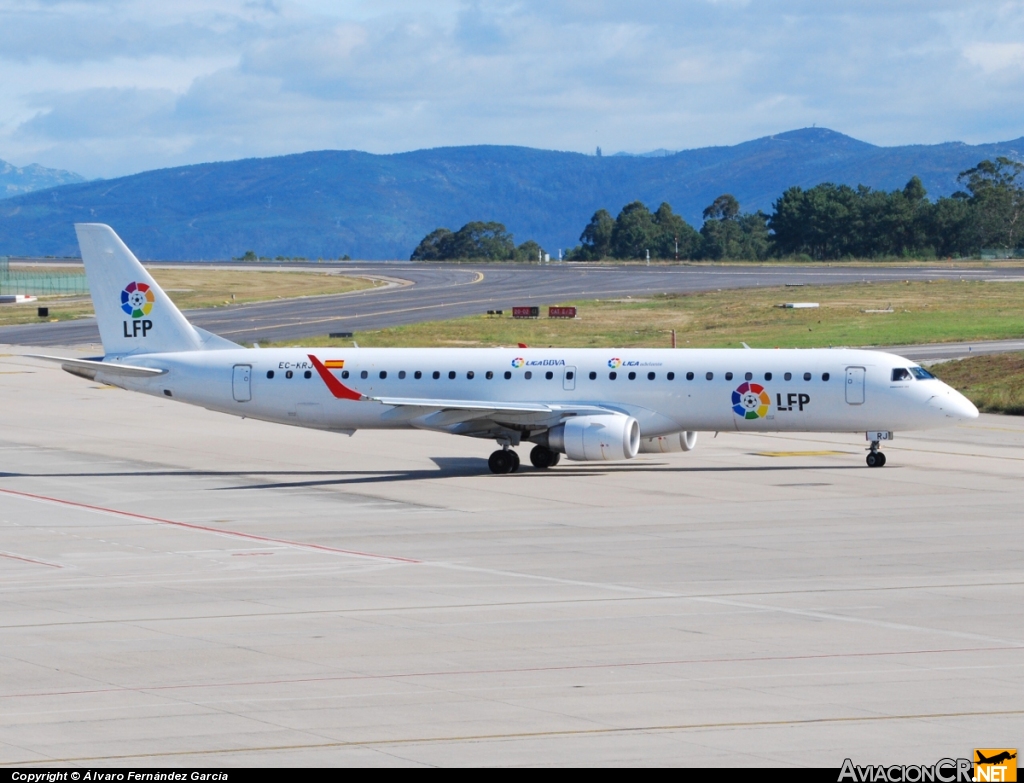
[205, 529]
[11, 556]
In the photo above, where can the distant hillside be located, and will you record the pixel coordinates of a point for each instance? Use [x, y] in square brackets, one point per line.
[325, 204]
[14, 181]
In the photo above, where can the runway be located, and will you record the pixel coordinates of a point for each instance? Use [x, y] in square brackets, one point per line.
[442, 291]
[181, 587]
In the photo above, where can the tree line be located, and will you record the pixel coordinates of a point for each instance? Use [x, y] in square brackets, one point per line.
[825, 222]
[486, 241]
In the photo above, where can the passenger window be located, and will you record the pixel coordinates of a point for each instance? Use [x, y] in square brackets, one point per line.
[451, 375]
[921, 374]
[767, 376]
[436, 374]
[900, 374]
[527, 375]
[632, 376]
[549, 375]
[363, 374]
[270, 373]
[788, 376]
[728, 376]
[307, 374]
[470, 375]
[650, 376]
[508, 374]
[689, 376]
[671, 376]
[489, 375]
[612, 375]
[749, 376]
[401, 375]
[710, 376]
[570, 375]
[344, 373]
[825, 376]
[593, 375]
[383, 374]
[807, 376]
[290, 373]
[417, 375]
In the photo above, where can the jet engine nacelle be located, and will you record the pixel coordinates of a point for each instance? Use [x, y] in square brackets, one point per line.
[666, 444]
[597, 438]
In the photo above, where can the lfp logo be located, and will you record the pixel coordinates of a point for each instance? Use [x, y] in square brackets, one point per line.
[615, 363]
[518, 362]
[137, 300]
[751, 401]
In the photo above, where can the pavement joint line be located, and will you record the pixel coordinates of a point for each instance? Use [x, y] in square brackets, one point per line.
[496, 605]
[203, 528]
[863, 621]
[526, 735]
[518, 670]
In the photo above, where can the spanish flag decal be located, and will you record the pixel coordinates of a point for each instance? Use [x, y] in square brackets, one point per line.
[336, 387]
[335, 364]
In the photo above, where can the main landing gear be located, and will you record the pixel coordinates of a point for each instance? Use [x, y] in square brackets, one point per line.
[875, 459]
[543, 457]
[503, 461]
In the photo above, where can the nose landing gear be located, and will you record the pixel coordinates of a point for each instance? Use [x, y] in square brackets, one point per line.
[875, 458]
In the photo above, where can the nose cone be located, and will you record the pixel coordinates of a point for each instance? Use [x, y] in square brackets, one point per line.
[952, 405]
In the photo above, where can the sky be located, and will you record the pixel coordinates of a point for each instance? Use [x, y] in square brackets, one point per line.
[111, 87]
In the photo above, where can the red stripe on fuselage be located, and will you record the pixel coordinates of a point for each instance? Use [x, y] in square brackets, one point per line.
[336, 387]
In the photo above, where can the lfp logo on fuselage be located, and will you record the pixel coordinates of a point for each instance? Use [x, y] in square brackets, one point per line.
[615, 363]
[751, 401]
[518, 362]
[137, 302]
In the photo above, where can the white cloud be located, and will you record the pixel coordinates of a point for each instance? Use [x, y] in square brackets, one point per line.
[106, 88]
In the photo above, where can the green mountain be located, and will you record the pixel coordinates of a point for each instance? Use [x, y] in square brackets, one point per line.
[330, 203]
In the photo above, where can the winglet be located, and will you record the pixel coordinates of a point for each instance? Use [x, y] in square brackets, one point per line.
[523, 345]
[336, 387]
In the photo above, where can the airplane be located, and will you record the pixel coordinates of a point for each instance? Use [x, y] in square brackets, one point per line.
[590, 404]
[996, 759]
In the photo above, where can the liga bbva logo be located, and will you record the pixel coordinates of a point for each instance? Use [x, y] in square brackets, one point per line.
[137, 302]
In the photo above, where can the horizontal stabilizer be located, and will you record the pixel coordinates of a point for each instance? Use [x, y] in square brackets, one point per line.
[89, 368]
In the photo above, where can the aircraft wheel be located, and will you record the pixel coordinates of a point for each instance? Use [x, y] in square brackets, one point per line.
[543, 457]
[515, 461]
[881, 456]
[875, 459]
[501, 461]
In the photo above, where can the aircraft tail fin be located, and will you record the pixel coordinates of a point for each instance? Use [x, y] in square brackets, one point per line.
[133, 313]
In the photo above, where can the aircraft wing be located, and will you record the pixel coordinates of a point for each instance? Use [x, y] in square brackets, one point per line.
[439, 412]
[89, 368]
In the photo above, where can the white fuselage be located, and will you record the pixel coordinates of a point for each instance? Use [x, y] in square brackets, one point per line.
[665, 390]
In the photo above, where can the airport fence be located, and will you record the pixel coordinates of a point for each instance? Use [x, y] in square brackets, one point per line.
[40, 281]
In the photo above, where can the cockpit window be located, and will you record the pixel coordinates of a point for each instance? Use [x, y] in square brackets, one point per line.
[921, 374]
[901, 374]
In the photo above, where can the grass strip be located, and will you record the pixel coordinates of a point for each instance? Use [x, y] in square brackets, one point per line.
[994, 383]
[904, 313]
[201, 288]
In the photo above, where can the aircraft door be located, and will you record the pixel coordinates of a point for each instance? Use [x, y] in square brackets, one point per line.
[240, 382]
[569, 379]
[855, 385]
